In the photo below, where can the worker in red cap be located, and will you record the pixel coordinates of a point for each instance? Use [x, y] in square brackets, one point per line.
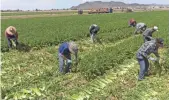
[11, 35]
[132, 23]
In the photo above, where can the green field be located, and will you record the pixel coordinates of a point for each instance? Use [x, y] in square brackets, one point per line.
[105, 71]
[35, 13]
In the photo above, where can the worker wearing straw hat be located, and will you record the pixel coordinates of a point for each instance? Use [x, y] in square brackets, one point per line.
[65, 51]
[11, 34]
[147, 34]
[132, 22]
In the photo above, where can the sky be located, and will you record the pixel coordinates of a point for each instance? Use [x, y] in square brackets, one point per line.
[60, 4]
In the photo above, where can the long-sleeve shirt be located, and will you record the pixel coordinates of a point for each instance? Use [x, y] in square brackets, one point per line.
[140, 25]
[147, 48]
[94, 29]
[148, 32]
[11, 36]
[64, 49]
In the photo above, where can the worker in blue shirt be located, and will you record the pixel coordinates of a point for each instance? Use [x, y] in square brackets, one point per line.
[65, 51]
[93, 31]
[143, 55]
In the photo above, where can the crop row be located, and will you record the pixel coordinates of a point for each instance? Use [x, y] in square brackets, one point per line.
[101, 59]
[126, 87]
[41, 32]
[21, 75]
[108, 58]
[105, 59]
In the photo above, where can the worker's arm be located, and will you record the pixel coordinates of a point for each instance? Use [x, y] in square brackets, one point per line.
[5, 34]
[63, 53]
[16, 35]
[135, 31]
[142, 30]
[157, 55]
[149, 37]
[76, 58]
[64, 57]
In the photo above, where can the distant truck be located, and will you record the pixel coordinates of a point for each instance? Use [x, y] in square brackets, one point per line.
[100, 10]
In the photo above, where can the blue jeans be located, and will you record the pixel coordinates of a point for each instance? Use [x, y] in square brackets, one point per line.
[144, 65]
[10, 42]
[62, 64]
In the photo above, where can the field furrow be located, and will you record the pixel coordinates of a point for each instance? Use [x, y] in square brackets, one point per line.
[107, 70]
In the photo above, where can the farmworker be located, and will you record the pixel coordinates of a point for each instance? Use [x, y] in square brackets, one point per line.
[140, 27]
[65, 51]
[147, 34]
[143, 53]
[93, 31]
[132, 23]
[11, 35]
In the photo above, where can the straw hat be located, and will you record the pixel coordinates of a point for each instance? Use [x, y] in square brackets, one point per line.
[73, 47]
[11, 30]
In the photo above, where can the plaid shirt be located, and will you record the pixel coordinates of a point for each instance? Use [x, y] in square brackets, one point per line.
[147, 48]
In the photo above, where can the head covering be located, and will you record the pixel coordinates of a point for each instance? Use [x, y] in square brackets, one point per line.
[11, 30]
[159, 40]
[95, 25]
[155, 28]
[73, 47]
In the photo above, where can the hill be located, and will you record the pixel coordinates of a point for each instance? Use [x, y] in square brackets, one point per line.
[112, 4]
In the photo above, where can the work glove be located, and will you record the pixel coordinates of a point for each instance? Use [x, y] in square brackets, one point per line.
[69, 61]
[152, 59]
